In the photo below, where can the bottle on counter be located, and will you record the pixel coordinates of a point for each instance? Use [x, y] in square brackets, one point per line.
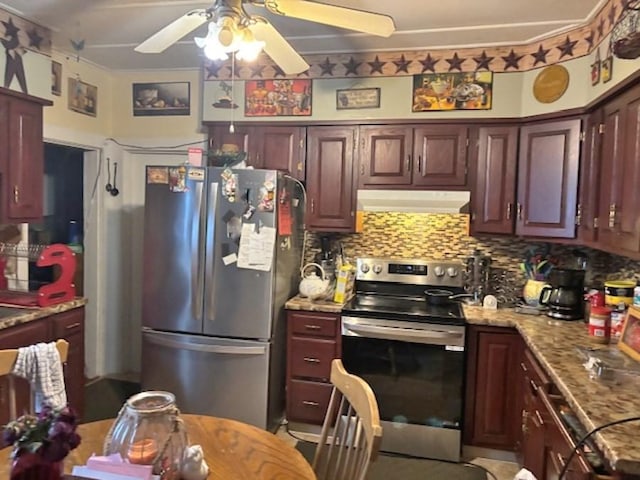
[600, 324]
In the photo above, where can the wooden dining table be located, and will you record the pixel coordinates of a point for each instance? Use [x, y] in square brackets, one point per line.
[233, 450]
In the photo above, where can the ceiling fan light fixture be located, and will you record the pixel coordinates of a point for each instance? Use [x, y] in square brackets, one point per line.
[249, 48]
[225, 36]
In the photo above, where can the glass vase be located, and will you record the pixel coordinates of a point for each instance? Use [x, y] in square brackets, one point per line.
[149, 431]
[30, 466]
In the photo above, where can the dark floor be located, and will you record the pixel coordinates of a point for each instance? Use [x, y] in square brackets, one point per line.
[104, 398]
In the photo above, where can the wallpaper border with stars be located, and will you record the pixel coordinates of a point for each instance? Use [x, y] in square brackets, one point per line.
[576, 43]
[28, 35]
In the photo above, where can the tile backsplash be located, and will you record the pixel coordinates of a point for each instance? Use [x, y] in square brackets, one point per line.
[446, 236]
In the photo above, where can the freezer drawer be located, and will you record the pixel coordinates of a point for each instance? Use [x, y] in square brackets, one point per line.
[209, 376]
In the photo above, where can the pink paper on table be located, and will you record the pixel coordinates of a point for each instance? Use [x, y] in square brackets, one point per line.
[115, 464]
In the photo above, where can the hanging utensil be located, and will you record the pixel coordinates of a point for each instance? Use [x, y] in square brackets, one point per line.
[108, 186]
[114, 190]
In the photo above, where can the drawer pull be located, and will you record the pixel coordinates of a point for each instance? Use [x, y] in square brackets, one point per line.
[72, 326]
[311, 360]
[561, 461]
[539, 417]
[523, 367]
[312, 327]
[309, 403]
[534, 387]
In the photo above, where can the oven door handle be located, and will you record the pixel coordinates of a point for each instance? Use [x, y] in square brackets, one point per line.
[412, 335]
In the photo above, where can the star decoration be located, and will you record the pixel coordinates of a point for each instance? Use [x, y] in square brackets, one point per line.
[590, 39]
[455, 63]
[567, 47]
[402, 65]
[10, 29]
[256, 70]
[213, 68]
[376, 65]
[483, 61]
[612, 15]
[511, 60]
[601, 28]
[429, 63]
[352, 66]
[540, 55]
[327, 67]
[34, 38]
[278, 72]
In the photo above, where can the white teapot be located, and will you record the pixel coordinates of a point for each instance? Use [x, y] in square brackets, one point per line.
[312, 286]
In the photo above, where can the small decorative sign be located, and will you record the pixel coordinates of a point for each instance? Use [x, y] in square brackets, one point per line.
[83, 97]
[595, 69]
[607, 66]
[551, 83]
[452, 91]
[629, 341]
[56, 78]
[357, 98]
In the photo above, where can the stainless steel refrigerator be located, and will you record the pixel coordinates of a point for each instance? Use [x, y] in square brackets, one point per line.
[221, 257]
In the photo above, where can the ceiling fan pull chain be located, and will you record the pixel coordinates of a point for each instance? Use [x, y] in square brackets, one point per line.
[232, 128]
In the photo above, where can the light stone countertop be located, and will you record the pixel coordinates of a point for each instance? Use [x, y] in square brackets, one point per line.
[555, 345]
[302, 303]
[25, 315]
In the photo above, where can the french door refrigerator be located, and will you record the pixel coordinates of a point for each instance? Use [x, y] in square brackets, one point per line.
[221, 257]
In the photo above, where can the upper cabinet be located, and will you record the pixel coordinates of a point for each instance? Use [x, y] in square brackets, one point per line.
[429, 156]
[270, 147]
[548, 166]
[588, 189]
[331, 193]
[493, 187]
[21, 157]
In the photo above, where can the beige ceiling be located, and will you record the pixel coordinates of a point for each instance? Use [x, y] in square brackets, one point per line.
[112, 28]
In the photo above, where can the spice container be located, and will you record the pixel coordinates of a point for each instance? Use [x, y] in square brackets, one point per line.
[619, 291]
[617, 322]
[600, 324]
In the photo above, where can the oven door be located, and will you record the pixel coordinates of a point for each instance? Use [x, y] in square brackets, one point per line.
[416, 371]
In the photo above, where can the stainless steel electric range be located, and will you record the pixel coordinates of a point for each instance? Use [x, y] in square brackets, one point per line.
[411, 352]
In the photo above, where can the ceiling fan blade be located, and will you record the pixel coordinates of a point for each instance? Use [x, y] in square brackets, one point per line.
[278, 48]
[358, 20]
[163, 39]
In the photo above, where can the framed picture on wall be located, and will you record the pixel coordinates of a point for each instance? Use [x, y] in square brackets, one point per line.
[452, 91]
[83, 97]
[277, 98]
[166, 98]
[56, 78]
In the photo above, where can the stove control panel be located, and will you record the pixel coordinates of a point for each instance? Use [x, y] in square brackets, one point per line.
[410, 271]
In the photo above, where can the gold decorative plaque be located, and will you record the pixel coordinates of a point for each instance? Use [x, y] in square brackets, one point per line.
[551, 83]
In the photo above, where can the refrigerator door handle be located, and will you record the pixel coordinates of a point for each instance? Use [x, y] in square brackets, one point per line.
[198, 261]
[210, 213]
[199, 347]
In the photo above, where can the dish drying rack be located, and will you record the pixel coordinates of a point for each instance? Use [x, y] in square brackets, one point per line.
[62, 289]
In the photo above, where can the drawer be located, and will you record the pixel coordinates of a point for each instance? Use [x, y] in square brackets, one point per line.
[314, 324]
[308, 401]
[311, 358]
[68, 323]
[535, 378]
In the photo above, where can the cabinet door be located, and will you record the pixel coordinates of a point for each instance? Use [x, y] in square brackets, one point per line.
[16, 337]
[620, 175]
[220, 135]
[330, 186]
[493, 416]
[70, 326]
[588, 196]
[385, 156]
[440, 156]
[25, 162]
[548, 179]
[495, 180]
[279, 148]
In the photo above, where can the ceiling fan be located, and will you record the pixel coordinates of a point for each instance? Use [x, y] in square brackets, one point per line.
[231, 25]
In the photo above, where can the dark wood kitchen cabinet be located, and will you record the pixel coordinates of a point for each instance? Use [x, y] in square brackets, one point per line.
[429, 156]
[492, 413]
[494, 179]
[313, 341]
[618, 226]
[548, 167]
[589, 186]
[21, 157]
[331, 192]
[272, 147]
[68, 325]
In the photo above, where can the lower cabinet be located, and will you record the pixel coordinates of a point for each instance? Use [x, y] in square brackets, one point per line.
[67, 325]
[492, 414]
[313, 341]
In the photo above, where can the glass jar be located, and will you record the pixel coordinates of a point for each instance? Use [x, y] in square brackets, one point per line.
[149, 431]
[600, 324]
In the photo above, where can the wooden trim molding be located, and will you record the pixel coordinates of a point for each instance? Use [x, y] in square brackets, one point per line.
[568, 45]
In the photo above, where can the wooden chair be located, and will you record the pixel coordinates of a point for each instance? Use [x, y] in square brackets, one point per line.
[7, 360]
[351, 432]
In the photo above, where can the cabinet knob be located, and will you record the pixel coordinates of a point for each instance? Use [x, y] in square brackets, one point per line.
[519, 211]
[313, 206]
[612, 215]
[311, 360]
[16, 194]
[309, 403]
[509, 207]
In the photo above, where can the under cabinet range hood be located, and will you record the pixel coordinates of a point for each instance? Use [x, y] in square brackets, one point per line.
[413, 201]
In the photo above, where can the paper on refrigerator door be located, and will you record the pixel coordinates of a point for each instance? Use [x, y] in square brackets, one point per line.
[256, 248]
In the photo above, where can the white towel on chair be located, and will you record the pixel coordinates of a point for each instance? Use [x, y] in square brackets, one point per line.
[41, 365]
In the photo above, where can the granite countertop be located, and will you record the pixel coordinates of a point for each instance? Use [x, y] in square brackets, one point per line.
[10, 316]
[595, 402]
[302, 303]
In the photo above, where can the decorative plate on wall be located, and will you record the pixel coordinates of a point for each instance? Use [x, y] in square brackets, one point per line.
[551, 83]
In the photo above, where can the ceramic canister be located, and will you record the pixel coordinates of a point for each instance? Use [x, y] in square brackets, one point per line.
[619, 291]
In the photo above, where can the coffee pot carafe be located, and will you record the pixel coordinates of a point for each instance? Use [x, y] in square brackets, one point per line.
[565, 296]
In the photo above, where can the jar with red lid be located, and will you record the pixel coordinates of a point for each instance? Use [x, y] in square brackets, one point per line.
[600, 324]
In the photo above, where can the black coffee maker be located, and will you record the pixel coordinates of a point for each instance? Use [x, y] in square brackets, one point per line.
[565, 296]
